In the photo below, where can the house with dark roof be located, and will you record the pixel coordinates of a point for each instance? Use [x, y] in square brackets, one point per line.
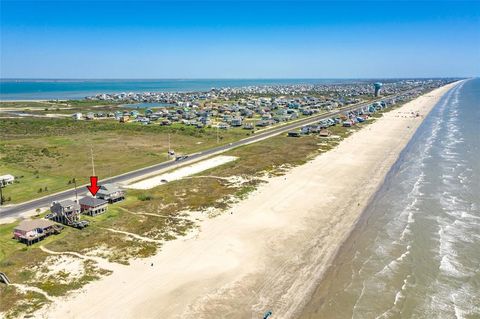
[92, 206]
[111, 193]
[66, 212]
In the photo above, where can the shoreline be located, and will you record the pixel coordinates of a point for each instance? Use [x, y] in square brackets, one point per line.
[347, 245]
[262, 261]
[327, 285]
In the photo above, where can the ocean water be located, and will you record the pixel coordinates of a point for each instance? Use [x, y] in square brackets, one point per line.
[78, 89]
[416, 250]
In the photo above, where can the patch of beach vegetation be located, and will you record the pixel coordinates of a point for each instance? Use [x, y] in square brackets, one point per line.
[15, 303]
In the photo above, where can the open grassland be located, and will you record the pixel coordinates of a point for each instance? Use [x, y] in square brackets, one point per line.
[17, 108]
[53, 104]
[47, 154]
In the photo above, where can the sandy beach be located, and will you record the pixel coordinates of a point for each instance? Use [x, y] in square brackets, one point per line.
[269, 251]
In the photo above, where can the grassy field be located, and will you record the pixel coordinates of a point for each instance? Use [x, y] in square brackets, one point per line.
[58, 107]
[47, 154]
[53, 104]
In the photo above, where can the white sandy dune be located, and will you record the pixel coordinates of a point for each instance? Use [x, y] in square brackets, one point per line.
[271, 250]
[182, 172]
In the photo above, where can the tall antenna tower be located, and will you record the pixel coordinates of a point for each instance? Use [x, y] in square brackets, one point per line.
[169, 149]
[75, 183]
[93, 165]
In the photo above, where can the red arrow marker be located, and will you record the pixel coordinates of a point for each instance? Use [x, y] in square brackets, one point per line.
[93, 188]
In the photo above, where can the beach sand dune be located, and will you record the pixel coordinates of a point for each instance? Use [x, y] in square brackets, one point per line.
[271, 252]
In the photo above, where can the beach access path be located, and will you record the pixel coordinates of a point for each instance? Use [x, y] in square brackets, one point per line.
[269, 251]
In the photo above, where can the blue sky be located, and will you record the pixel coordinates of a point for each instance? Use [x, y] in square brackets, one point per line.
[230, 39]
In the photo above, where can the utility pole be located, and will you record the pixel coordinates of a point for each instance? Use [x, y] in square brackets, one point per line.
[1, 194]
[75, 183]
[169, 150]
[93, 165]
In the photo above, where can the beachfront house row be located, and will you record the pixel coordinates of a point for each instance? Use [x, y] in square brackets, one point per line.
[111, 193]
[92, 206]
[32, 231]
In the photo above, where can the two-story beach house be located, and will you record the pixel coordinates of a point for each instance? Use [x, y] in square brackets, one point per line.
[111, 193]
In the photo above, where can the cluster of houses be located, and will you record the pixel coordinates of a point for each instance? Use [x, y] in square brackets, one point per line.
[249, 107]
[68, 212]
[341, 89]
[320, 128]
[347, 120]
[247, 113]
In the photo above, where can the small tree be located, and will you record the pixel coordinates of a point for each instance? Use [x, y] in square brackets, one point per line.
[40, 190]
[37, 211]
[46, 188]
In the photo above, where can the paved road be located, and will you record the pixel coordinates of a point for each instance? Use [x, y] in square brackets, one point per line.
[16, 210]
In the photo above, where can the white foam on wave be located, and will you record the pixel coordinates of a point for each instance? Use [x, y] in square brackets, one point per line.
[449, 237]
[394, 264]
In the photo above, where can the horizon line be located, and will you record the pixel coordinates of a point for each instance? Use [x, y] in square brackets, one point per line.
[240, 78]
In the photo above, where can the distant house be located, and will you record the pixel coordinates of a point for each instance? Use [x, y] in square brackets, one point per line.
[324, 133]
[92, 206]
[236, 121]
[263, 123]
[32, 231]
[6, 179]
[223, 126]
[134, 113]
[307, 112]
[205, 120]
[305, 130]
[66, 212]
[124, 118]
[294, 134]
[314, 128]
[111, 193]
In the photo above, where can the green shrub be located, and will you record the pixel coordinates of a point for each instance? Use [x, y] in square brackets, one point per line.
[145, 197]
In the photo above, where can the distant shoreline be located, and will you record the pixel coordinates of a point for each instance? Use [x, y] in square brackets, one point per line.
[40, 90]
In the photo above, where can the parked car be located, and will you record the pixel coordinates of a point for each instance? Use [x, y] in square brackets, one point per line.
[180, 158]
[81, 224]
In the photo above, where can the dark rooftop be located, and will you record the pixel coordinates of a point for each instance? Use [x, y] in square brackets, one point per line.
[91, 201]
